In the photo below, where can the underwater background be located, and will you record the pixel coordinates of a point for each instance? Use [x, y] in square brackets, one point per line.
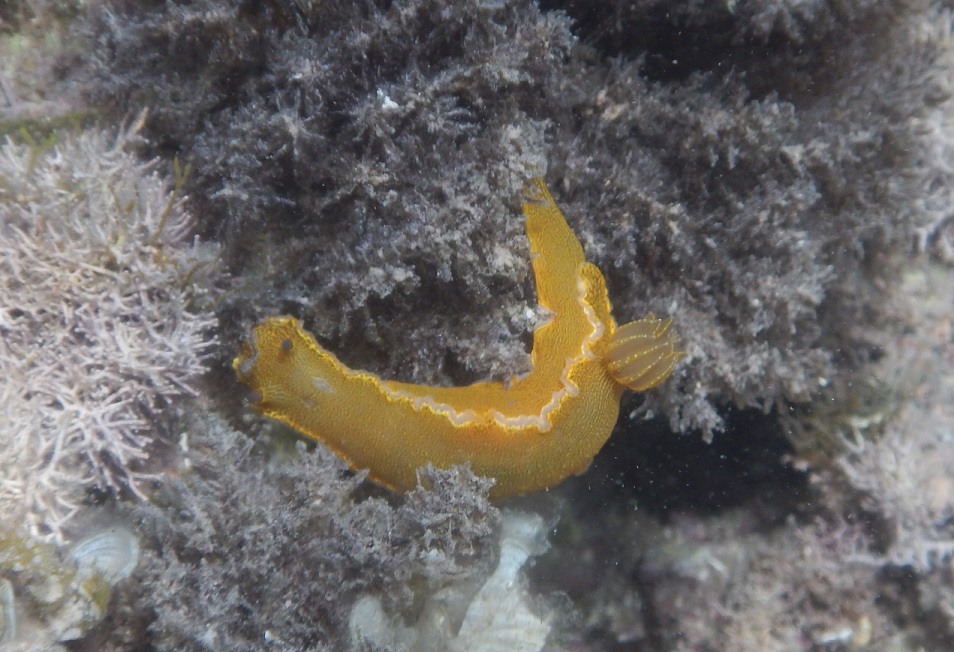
[775, 175]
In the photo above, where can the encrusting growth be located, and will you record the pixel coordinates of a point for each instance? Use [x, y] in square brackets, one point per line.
[528, 434]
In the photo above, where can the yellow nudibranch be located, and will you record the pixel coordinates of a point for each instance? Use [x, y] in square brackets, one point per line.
[528, 434]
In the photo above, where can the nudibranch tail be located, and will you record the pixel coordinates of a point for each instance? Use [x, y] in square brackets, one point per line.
[642, 354]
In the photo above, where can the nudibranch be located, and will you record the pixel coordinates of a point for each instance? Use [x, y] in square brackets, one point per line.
[527, 434]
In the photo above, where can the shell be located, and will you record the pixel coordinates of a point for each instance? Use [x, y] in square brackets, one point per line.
[113, 552]
[8, 614]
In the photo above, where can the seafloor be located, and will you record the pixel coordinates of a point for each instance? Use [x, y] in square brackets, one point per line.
[775, 175]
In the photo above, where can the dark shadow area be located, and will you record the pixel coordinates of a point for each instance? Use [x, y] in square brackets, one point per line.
[672, 47]
[666, 472]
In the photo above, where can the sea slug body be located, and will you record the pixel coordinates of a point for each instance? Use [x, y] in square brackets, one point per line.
[529, 434]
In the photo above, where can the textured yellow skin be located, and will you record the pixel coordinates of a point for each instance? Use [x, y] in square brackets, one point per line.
[528, 434]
